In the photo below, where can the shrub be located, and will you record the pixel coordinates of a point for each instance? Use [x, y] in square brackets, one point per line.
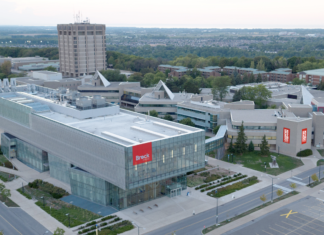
[8, 164]
[108, 217]
[205, 174]
[305, 153]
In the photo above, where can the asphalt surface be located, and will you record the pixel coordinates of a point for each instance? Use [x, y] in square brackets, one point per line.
[194, 224]
[304, 216]
[15, 221]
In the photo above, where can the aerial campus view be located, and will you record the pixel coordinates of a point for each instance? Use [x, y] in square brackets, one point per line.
[161, 118]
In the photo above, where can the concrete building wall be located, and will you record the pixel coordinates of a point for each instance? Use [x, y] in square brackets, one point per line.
[295, 127]
[318, 126]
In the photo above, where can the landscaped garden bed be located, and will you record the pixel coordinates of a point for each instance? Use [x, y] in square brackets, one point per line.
[4, 162]
[115, 229]
[254, 160]
[226, 181]
[321, 151]
[48, 194]
[92, 226]
[207, 176]
[223, 191]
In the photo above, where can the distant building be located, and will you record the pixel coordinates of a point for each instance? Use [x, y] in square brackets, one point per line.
[39, 66]
[47, 75]
[281, 75]
[313, 77]
[82, 48]
[162, 100]
[179, 71]
[15, 62]
[125, 94]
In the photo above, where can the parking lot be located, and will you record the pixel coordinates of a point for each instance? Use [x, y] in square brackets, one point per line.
[305, 216]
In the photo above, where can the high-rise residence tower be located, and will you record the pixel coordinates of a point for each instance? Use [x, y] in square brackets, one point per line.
[82, 48]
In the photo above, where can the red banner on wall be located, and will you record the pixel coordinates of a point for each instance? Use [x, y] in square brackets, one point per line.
[304, 136]
[142, 153]
[286, 135]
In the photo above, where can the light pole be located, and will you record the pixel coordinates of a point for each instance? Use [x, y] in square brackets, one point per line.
[138, 227]
[69, 220]
[43, 201]
[272, 187]
[319, 172]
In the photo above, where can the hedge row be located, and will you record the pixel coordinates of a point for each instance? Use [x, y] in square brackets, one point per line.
[223, 179]
[234, 187]
[223, 183]
[100, 225]
[305, 153]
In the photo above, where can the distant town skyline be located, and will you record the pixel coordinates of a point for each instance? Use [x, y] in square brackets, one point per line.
[167, 14]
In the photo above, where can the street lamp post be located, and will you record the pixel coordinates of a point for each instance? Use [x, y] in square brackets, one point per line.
[216, 208]
[69, 220]
[272, 188]
[138, 227]
[22, 187]
[43, 201]
[309, 181]
[319, 173]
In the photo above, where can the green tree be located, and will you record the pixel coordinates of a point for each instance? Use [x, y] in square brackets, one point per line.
[220, 86]
[259, 78]
[194, 73]
[264, 148]
[187, 121]
[261, 65]
[251, 147]
[216, 128]
[297, 81]
[166, 72]
[273, 106]
[153, 113]
[2, 187]
[293, 185]
[51, 68]
[262, 94]
[252, 66]
[111, 60]
[168, 117]
[5, 193]
[6, 67]
[240, 144]
[113, 75]
[245, 78]
[148, 80]
[191, 87]
[59, 231]
[251, 78]
[231, 147]
[136, 77]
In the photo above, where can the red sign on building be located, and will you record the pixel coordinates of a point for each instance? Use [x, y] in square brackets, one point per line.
[142, 153]
[286, 135]
[304, 136]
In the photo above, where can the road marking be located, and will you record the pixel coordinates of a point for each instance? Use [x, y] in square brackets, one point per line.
[289, 213]
[267, 232]
[10, 224]
[276, 230]
[297, 182]
[219, 214]
[296, 178]
[301, 226]
[305, 225]
[283, 188]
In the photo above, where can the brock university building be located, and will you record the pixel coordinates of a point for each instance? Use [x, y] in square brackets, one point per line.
[108, 156]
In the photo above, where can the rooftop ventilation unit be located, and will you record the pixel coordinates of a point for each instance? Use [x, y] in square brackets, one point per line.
[1, 91]
[83, 103]
[6, 85]
[72, 96]
[13, 84]
[98, 102]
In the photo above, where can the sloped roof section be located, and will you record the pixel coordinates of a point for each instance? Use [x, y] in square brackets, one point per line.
[105, 82]
[166, 89]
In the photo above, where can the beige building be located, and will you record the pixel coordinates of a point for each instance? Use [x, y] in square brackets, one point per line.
[82, 48]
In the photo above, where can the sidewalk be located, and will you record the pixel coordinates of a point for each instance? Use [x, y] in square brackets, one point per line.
[32, 209]
[259, 213]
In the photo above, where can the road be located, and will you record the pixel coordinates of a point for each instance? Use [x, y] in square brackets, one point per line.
[194, 224]
[14, 221]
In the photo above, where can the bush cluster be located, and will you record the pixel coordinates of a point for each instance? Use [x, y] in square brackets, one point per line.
[232, 188]
[223, 183]
[101, 225]
[56, 192]
[116, 228]
[211, 178]
[108, 217]
[305, 153]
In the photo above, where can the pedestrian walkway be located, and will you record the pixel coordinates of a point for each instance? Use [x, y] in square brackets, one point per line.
[29, 206]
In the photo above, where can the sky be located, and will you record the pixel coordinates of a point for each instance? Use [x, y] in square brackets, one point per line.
[167, 13]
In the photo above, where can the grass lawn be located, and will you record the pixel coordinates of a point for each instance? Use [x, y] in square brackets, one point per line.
[8, 202]
[321, 151]
[255, 161]
[7, 177]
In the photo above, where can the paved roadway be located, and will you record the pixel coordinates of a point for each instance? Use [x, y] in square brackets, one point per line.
[15, 221]
[194, 224]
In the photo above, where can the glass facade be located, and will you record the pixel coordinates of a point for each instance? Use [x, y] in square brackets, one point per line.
[213, 145]
[32, 156]
[8, 145]
[157, 105]
[90, 187]
[59, 169]
[170, 157]
[15, 112]
[256, 127]
[213, 121]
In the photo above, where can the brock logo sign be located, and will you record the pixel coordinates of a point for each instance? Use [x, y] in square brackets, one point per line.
[142, 153]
